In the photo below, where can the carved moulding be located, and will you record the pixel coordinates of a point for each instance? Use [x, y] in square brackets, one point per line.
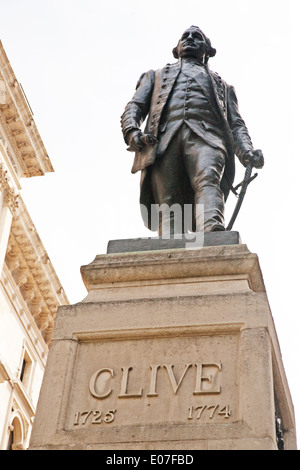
[34, 288]
[11, 197]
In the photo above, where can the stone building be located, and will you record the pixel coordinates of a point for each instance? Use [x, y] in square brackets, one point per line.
[30, 290]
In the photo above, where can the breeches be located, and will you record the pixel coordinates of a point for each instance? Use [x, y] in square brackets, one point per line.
[188, 157]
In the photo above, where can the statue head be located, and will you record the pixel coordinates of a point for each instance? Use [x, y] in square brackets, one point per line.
[194, 43]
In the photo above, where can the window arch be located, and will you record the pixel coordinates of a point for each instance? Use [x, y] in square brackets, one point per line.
[16, 434]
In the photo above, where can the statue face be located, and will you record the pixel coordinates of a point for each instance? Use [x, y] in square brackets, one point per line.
[191, 44]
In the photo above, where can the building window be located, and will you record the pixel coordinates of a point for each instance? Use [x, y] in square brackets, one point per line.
[16, 436]
[26, 368]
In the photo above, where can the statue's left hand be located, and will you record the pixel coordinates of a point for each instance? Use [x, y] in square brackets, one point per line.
[255, 157]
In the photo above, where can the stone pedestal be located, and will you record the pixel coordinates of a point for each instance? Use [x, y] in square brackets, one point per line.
[171, 349]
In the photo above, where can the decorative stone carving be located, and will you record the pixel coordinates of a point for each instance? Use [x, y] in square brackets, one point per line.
[12, 258]
[11, 197]
[21, 276]
[28, 291]
[31, 270]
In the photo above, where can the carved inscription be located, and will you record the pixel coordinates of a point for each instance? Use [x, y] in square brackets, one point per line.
[196, 388]
[206, 380]
[196, 412]
[93, 417]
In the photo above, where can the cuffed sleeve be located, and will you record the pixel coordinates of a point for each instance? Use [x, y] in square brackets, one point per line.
[241, 138]
[137, 109]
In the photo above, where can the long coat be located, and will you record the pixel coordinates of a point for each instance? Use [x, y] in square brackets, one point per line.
[152, 92]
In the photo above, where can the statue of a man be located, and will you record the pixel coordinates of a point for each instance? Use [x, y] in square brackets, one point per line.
[194, 130]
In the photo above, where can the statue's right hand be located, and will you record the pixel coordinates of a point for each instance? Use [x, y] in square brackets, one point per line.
[134, 140]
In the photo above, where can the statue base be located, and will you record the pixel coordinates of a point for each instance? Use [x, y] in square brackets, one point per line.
[153, 244]
[171, 349]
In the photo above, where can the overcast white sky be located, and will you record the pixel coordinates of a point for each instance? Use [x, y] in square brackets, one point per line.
[79, 61]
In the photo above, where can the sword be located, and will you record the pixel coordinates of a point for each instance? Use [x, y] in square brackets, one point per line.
[244, 185]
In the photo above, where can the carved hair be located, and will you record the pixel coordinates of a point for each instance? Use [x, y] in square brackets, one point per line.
[209, 50]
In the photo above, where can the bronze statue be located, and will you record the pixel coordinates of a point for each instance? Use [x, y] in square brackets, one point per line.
[194, 129]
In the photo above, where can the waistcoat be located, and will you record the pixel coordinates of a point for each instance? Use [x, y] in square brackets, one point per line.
[188, 103]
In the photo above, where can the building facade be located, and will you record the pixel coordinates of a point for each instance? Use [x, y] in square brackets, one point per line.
[30, 291]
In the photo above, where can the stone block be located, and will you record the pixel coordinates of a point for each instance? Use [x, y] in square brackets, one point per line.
[151, 244]
[171, 349]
